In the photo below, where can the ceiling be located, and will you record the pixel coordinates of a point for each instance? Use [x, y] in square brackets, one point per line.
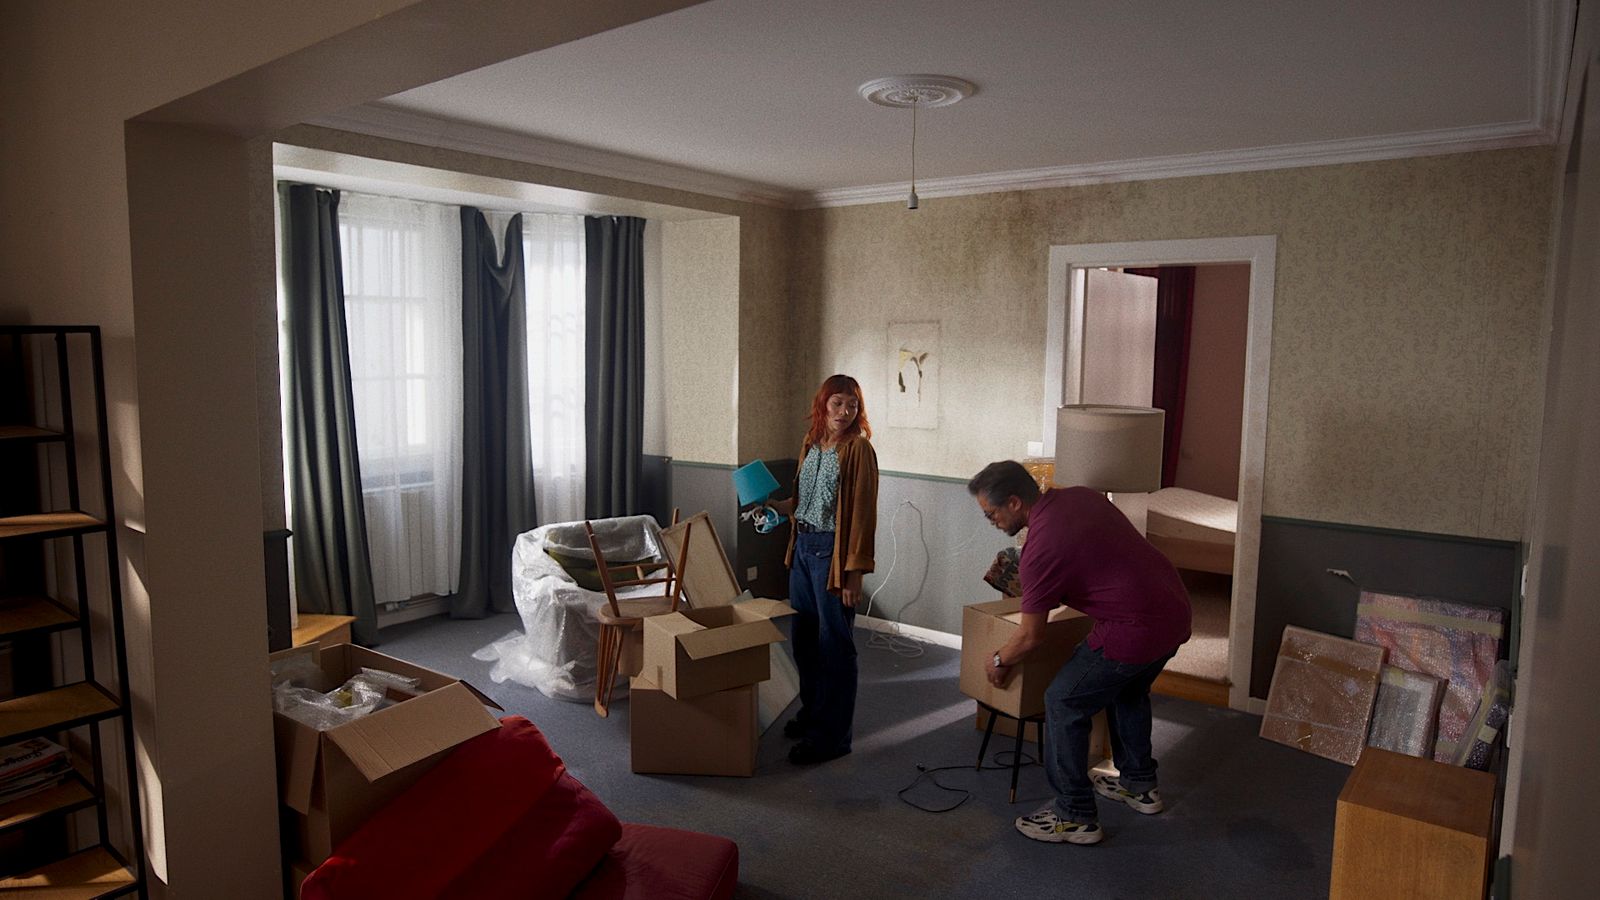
[758, 99]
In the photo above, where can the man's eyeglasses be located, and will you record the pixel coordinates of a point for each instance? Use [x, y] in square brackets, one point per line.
[991, 513]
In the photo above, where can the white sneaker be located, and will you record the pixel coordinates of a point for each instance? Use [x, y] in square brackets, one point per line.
[1148, 802]
[1045, 825]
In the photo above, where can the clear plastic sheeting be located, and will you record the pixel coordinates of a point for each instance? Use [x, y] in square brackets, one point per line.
[555, 651]
[1477, 747]
[1406, 715]
[1322, 694]
[365, 692]
[1455, 642]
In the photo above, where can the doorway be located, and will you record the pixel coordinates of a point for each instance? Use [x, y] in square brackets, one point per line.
[1078, 369]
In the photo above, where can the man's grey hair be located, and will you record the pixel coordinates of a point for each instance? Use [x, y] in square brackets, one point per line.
[1000, 481]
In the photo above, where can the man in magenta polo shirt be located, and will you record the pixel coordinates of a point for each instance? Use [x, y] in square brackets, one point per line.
[1082, 552]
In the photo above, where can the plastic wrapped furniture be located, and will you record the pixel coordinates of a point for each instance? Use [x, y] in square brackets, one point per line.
[556, 650]
[1406, 716]
[1322, 694]
[1455, 642]
[1477, 747]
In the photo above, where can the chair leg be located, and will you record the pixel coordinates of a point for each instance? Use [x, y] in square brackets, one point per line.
[987, 733]
[1016, 757]
[606, 676]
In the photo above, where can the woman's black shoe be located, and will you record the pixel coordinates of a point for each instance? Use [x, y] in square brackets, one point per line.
[803, 754]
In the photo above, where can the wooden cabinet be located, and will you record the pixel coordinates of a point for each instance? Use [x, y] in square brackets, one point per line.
[1412, 828]
[61, 622]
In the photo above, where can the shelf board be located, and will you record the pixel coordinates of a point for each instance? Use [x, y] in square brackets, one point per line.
[54, 710]
[50, 524]
[82, 876]
[26, 433]
[27, 614]
[74, 793]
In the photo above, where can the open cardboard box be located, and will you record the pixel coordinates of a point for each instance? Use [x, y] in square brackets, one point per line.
[985, 628]
[723, 641]
[711, 734]
[332, 781]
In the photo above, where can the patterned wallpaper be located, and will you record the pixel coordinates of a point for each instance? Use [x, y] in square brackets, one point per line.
[700, 334]
[1405, 334]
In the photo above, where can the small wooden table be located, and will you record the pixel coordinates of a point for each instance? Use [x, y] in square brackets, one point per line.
[318, 629]
[1414, 828]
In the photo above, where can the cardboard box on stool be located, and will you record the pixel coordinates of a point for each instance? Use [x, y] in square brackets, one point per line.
[711, 734]
[985, 628]
[332, 781]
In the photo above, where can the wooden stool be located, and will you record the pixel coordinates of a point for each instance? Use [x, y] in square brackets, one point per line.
[1022, 729]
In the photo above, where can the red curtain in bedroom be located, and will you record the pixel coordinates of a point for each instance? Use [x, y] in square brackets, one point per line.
[1174, 317]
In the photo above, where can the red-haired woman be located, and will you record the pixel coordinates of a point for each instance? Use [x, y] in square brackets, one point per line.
[835, 515]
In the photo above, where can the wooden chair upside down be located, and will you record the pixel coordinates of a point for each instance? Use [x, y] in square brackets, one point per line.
[621, 615]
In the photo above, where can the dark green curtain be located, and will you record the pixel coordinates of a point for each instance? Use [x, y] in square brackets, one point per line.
[614, 381]
[333, 574]
[497, 466]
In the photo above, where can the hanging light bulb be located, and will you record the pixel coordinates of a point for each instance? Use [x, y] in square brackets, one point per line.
[901, 91]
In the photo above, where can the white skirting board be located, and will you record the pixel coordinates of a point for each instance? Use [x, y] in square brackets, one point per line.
[926, 635]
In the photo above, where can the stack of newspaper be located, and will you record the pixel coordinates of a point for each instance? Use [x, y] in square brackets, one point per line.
[31, 766]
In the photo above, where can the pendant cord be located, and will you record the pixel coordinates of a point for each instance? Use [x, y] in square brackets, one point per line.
[914, 104]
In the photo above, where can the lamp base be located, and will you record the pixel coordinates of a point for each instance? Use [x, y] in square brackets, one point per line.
[1136, 506]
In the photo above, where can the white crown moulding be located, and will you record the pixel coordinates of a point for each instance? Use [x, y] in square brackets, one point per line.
[401, 125]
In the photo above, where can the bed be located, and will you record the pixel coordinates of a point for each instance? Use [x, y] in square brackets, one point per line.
[1196, 531]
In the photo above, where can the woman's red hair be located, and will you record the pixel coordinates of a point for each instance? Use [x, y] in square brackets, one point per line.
[837, 384]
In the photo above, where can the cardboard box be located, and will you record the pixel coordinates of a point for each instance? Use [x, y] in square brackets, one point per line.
[712, 734]
[985, 628]
[700, 651]
[721, 643]
[332, 781]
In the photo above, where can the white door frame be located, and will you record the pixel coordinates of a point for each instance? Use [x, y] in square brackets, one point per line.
[1063, 365]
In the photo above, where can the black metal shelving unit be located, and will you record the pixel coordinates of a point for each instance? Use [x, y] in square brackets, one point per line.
[88, 868]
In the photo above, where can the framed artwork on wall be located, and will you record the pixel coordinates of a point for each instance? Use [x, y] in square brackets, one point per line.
[913, 360]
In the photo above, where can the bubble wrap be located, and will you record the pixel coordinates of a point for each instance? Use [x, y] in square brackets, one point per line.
[555, 651]
[1406, 716]
[1322, 693]
[1457, 643]
[1477, 747]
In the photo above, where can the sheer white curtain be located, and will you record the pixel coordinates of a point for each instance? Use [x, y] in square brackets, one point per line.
[552, 248]
[402, 280]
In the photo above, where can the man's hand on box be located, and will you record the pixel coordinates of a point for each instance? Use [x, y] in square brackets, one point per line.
[997, 676]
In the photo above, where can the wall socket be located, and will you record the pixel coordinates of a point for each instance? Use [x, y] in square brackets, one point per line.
[750, 574]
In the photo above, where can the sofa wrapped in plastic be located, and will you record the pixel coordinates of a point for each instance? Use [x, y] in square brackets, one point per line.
[558, 593]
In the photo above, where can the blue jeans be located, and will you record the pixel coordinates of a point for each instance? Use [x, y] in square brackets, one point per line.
[824, 645]
[1088, 683]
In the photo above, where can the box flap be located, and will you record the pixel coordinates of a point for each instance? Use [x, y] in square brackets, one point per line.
[772, 609]
[391, 739]
[297, 746]
[707, 642]
[707, 576]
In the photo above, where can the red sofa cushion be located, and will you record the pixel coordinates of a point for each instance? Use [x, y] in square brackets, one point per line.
[500, 810]
[651, 863]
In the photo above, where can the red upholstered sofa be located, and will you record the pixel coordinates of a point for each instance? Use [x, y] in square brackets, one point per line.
[501, 816]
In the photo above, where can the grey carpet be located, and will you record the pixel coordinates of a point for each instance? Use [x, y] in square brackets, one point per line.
[1243, 815]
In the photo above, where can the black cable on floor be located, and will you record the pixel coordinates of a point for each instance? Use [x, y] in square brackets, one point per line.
[930, 774]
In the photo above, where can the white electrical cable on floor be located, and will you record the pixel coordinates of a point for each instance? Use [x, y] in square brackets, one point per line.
[893, 641]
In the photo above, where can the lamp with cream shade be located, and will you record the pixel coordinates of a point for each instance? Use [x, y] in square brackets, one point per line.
[1112, 449]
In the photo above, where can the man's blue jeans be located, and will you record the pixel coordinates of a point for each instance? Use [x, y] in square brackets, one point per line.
[824, 645]
[1088, 683]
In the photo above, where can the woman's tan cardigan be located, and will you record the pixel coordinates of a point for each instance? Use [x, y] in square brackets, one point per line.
[855, 519]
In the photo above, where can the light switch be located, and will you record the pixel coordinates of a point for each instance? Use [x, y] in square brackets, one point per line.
[750, 574]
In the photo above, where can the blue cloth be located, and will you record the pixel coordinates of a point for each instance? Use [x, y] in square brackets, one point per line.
[819, 488]
[1088, 683]
[823, 638]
